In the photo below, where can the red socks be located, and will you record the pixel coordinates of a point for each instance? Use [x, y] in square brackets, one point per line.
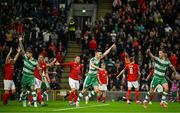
[71, 95]
[128, 94]
[99, 98]
[39, 96]
[137, 95]
[151, 97]
[103, 99]
[5, 98]
[75, 96]
[31, 98]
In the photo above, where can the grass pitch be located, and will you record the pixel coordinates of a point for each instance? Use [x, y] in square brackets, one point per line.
[91, 107]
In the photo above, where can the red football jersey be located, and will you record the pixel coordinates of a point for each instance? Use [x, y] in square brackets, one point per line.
[36, 71]
[103, 75]
[132, 70]
[75, 69]
[8, 71]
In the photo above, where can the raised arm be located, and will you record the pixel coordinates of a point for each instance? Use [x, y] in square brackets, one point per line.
[139, 74]
[150, 54]
[17, 55]
[21, 45]
[121, 72]
[8, 55]
[51, 63]
[47, 75]
[107, 51]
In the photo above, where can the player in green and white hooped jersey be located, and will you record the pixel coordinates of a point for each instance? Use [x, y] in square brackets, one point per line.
[91, 78]
[28, 75]
[161, 64]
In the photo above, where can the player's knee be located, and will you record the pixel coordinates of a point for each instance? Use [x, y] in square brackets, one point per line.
[151, 91]
[6, 91]
[13, 91]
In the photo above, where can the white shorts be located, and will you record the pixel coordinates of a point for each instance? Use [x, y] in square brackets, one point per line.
[9, 85]
[74, 84]
[103, 87]
[134, 84]
[37, 83]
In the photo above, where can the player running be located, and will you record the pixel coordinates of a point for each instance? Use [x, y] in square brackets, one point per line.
[91, 78]
[9, 86]
[103, 82]
[76, 70]
[161, 64]
[28, 75]
[133, 75]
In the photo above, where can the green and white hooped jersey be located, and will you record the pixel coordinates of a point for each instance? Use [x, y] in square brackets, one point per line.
[161, 66]
[92, 70]
[29, 66]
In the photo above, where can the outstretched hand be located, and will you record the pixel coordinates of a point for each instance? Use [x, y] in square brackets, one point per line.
[18, 49]
[148, 50]
[20, 38]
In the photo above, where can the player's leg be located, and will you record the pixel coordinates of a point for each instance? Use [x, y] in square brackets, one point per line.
[151, 98]
[86, 84]
[96, 88]
[31, 84]
[12, 91]
[163, 102]
[104, 93]
[25, 92]
[154, 83]
[6, 91]
[76, 91]
[44, 92]
[136, 86]
[72, 84]
[104, 96]
[80, 96]
[38, 84]
[128, 94]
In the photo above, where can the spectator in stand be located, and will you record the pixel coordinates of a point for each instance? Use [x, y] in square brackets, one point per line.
[78, 35]
[92, 46]
[173, 59]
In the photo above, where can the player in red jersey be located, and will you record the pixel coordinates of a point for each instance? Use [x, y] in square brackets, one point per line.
[103, 82]
[9, 86]
[41, 76]
[74, 77]
[133, 74]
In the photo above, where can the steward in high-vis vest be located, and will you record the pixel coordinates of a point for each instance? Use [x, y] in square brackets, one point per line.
[72, 29]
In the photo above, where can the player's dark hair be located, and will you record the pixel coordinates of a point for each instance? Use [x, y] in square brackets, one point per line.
[98, 50]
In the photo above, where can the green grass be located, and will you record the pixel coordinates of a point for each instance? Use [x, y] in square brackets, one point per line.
[92, 107]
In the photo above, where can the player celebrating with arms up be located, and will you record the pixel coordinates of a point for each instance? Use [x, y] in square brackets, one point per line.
[91, 78]
[8, 78]
[161, 64]
[28, 75]
[132, 79]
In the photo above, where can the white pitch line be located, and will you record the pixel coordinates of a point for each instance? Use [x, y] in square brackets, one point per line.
[65, 109]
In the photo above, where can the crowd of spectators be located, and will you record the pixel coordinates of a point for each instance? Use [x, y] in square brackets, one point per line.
[135, 26]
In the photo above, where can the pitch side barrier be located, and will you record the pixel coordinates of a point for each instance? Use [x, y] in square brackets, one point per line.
[111, 95]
